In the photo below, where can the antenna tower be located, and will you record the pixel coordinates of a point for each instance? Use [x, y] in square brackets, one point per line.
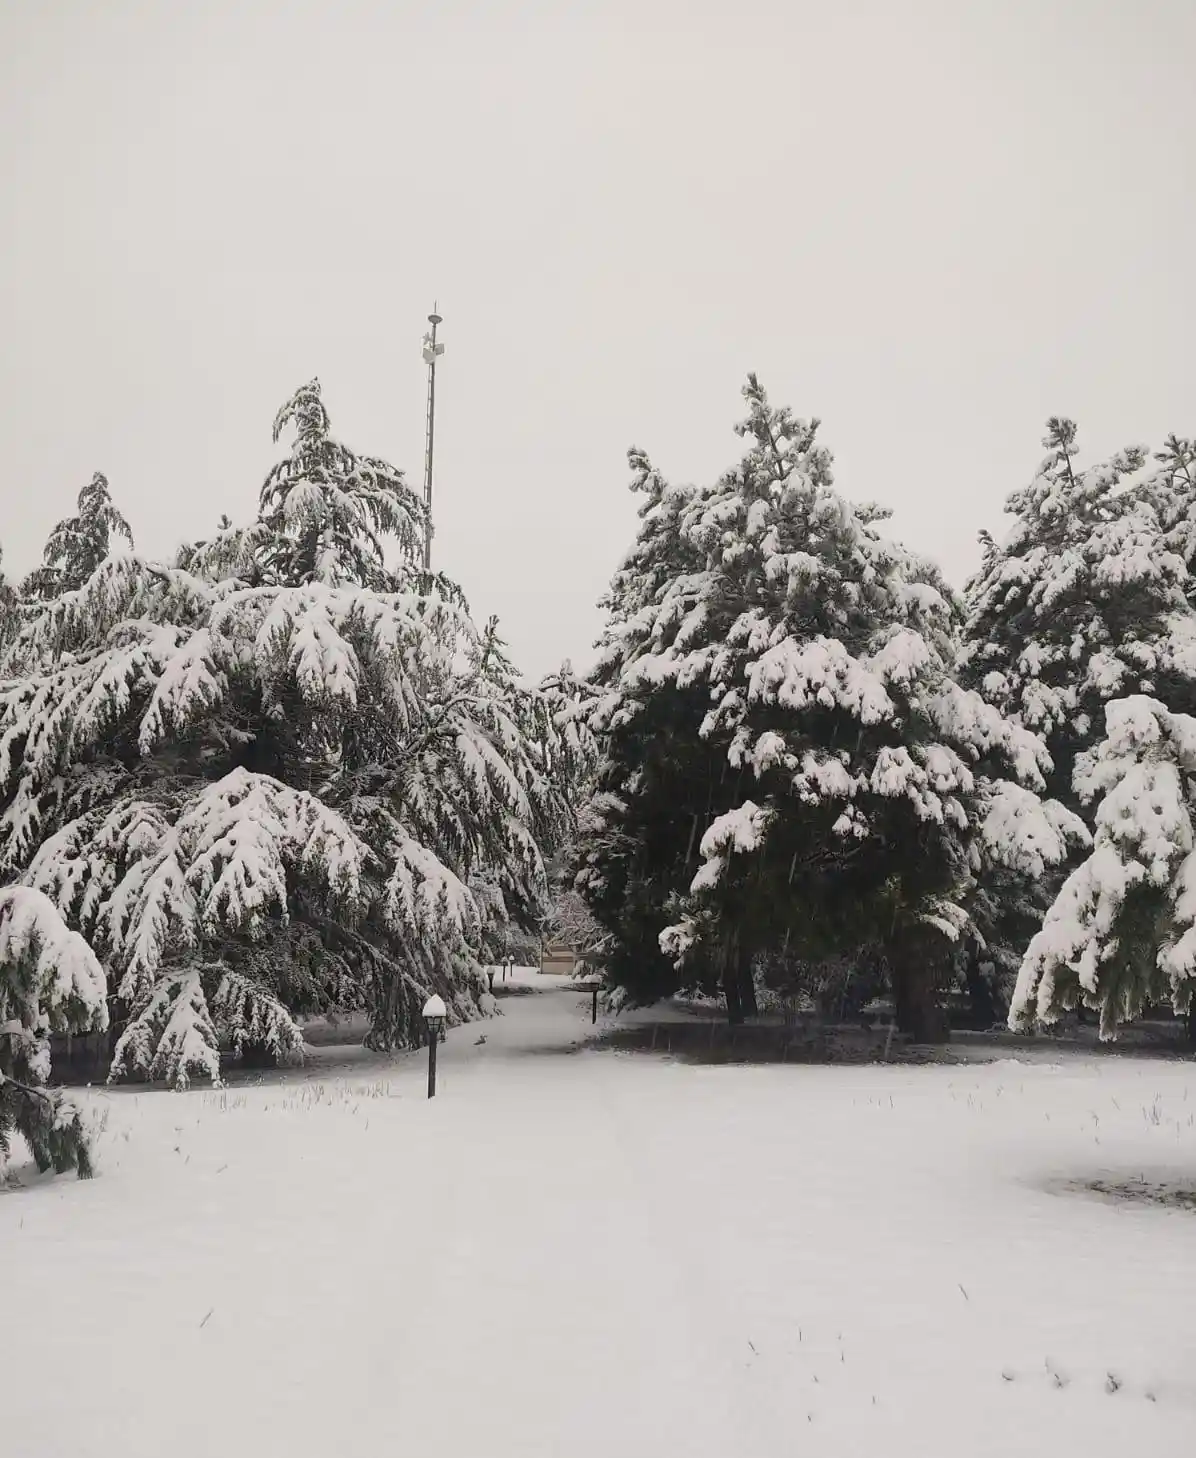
[432, 352]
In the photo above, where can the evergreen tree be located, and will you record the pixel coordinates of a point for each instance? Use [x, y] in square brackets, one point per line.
[655, 779]
[1122, 931]
[1171, 490]
[262, 782]
[50, 982]
[1085, 602]
[1074, 608]
[789, 761]
[325, 513]
[78, 544]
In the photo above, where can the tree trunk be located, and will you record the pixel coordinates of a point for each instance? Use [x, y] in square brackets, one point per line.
[986, 1007]
[739, 987]
[732, 991]
[915, 1001]
[1190, 1024]
[747, 988]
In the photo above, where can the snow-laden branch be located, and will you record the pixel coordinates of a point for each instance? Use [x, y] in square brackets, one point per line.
[1123, 928]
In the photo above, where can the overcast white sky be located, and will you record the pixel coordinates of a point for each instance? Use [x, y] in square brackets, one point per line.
[929, 222]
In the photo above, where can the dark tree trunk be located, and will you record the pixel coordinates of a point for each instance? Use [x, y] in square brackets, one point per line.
[732, 991]
[747, 989]
[915, 1000]
[1190, 1024]
[739, 987]
[987, 1007]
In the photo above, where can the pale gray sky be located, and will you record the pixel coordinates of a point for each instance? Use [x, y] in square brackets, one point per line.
[930, 222]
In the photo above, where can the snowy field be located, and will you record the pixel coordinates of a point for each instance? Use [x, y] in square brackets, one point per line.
[584, 1253]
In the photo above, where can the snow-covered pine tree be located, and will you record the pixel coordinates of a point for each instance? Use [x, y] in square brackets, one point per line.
[656, 779]
[838, 789]
[1084, 602]
[1122, 931]
[261, 780]
[1074, 608]
[78, 544]
[50, 982]
[1170, 488]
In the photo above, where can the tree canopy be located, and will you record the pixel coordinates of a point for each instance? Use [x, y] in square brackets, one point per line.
[789, 759]
[269, 777]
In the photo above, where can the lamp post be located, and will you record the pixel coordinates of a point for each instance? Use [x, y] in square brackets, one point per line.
[435, 1014]
[595, 987]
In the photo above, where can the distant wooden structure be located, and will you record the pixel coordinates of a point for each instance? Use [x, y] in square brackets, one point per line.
[557, 958]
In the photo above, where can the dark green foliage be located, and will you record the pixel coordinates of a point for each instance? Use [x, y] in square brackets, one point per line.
[788, 761]
[50, 1125]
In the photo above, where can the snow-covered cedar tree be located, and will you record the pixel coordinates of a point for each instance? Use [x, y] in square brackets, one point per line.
[568, 918]
[1085, 599]
[1122, 931]
[50, 982]
[78, 545]
[1084, 602]
[566, 698]
[789, 761]
[553, 716]
[262, 780]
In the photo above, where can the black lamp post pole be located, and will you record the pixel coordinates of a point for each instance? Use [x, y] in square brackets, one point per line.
[433, 1039]
[594, 1006]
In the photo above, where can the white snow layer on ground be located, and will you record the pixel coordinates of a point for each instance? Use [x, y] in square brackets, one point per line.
[607, 1254]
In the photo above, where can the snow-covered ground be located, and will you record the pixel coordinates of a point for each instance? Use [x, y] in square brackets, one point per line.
[586, 1253]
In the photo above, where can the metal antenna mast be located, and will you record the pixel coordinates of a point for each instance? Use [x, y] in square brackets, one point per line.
[432, 352]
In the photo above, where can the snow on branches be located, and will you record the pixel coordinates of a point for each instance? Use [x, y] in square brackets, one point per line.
[279, 731]
[327, 511]
[1085, 600]
[79, 544]
[833, 752]
[1022, 832]
[1083, 610]
[50, 982]
[837, 640]
[1123, 929]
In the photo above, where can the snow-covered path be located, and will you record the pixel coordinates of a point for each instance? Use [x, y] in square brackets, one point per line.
[601, 1254]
